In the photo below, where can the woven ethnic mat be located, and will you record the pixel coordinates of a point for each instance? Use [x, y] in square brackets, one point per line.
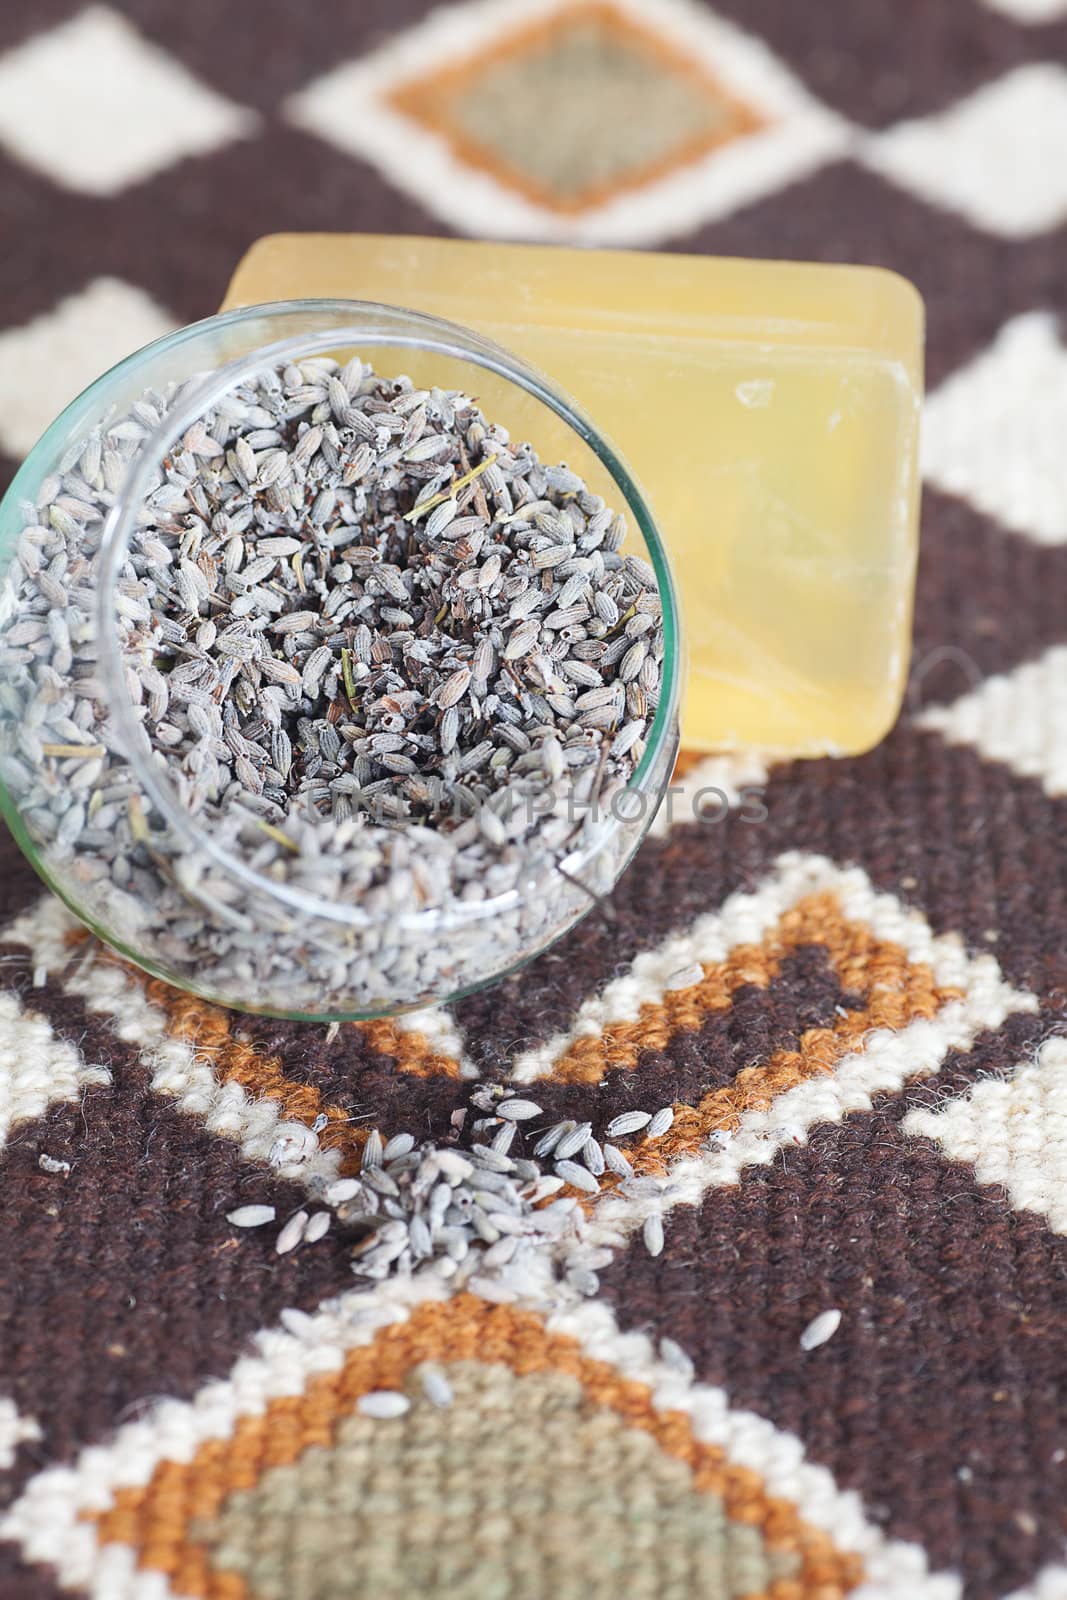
[870, 1076]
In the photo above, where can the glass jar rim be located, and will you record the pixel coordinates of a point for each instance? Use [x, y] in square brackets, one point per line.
[425, 332]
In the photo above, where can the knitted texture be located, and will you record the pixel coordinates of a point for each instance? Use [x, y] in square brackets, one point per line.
[856, 1007]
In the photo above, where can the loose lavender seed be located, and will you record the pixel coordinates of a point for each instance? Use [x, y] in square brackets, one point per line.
[548, 1141]
[628, 1122]
[436, 1387]
[584, 1281]
[250, 1216]
[383, 1404]
[660, 1123]
[572, 1142]
[292, 1234]
[518, 1110]
[675, 1357]
[579, 1177]
[820, 1329]
[504, 1138]
[685, 977]
[341, 1190]
[593, 1156]
[616, 1162]
[652, 1233]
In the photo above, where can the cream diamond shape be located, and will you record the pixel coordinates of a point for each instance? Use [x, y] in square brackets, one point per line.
[472, 168]
[1018, 718]
[996, 156]
[994, 432]
[1030, 11]
[37, 1069]
[96, 107]
[1012, 1133]
[14, 1430]
[48, 361]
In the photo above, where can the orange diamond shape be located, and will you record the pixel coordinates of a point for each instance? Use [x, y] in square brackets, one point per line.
[578, 108]
[580, 1447]
[892, 989]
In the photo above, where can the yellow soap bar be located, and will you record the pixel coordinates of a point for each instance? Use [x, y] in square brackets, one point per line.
[768, 410]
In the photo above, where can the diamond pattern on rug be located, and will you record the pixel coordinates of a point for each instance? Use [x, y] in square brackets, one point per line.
[37, 1068]
[1012, 1131]
[720, 118]
[1030, 11]
[589, 1448]
[901, 1000]
[1018, 718]
[96, 107]
[994, 156]
[610, 1449]
[597, 1472]
[744, 945]
[15, 1431]
[994, 432]
[46, 362]
[587, 69]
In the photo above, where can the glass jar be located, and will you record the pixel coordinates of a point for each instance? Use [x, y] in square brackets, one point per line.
[184, 903]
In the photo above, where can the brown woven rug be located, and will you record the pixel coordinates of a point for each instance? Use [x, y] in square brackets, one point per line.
[869, 1072]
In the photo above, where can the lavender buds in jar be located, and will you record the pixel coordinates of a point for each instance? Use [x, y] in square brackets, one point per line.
[322, 691]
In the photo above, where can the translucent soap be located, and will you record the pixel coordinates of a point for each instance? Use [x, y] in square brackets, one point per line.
[770, 413]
